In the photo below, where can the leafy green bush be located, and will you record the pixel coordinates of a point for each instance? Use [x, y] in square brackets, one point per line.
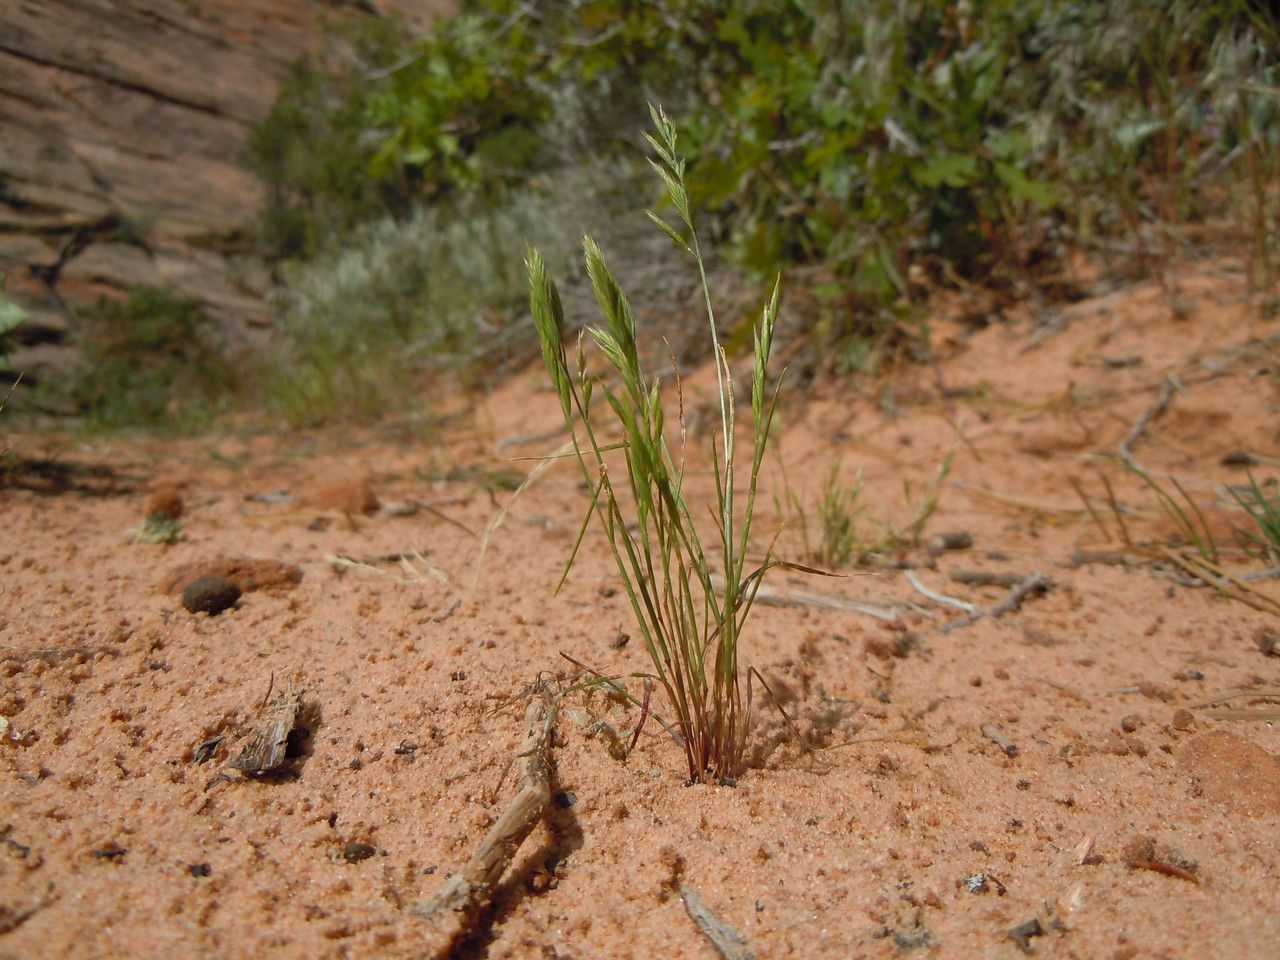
[364, 323]
[876, 142]
[151, 361]
[10, 316]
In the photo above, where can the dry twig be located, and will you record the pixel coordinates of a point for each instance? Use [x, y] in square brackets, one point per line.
[1035, 584]
[772, 597]
[466, 893]
[1148, 416]
[941, 598]
[728, 942]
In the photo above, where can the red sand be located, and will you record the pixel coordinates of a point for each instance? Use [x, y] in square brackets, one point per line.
[114, 843]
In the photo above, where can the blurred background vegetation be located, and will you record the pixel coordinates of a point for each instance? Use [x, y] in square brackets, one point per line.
[875, 151]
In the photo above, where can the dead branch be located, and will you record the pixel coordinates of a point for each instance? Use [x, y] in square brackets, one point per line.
[1037, 583]
[1147, 417]
[728, 942]
[984, 578]
[772, 597]
[941, 598]
[457, 908]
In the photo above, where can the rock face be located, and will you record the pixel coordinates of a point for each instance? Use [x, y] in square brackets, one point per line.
[124, 124]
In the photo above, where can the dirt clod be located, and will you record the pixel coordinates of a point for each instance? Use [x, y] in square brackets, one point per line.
[211, 595]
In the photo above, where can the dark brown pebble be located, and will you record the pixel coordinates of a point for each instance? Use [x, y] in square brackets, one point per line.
[1239, 458]
[210, 595]
[355, 851]
[1023, 932]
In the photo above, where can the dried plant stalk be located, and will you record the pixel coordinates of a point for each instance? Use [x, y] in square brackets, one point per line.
[460, 902]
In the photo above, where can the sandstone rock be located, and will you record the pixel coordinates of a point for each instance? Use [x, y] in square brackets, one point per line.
[124, 127]
[165, 504]
[356, 497]
[247, 573]
[1234, 772]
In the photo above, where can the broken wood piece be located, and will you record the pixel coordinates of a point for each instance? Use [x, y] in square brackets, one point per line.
[772, 597]
[941, 598]
[466, 893]
[995, 733]
[983, 578]
[728, 942]
[268, 746]
[1037, 583]
[1148, 416]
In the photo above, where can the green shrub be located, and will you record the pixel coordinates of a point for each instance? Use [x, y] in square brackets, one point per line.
[10, 316]
[365, 323]
[859, 138]
[153, 362]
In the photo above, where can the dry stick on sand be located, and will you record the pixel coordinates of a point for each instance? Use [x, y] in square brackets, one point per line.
[466, 893]
[1243, 713]
[1170, 386]
[941, 598]
[1013, 600]
[772, 597]
[728, 942]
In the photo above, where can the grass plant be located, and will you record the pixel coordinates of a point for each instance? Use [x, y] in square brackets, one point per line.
[690, 628]
[1264, 511]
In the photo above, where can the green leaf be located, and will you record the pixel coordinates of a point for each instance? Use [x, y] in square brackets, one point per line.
[951, 169]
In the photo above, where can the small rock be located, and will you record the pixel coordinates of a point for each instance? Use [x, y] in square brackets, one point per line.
[200, 870]
[1023, 932]
[565, 799]
[1183, 720]
[355, 497]
[165, 504]
[959, 540]
[210, 595]
[1139, 851]
[1130, 723]
[1239, 458]
[355, 851]
[1266, 641]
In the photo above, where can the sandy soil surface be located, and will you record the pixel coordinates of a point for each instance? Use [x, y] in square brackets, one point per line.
[1057, 763]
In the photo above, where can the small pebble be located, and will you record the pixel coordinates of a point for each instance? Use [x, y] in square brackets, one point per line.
[210, 595]
[200, 870]
[355, 851]
[1023, 932]
[1183, 720]
[165, 504]
[1130, 723]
